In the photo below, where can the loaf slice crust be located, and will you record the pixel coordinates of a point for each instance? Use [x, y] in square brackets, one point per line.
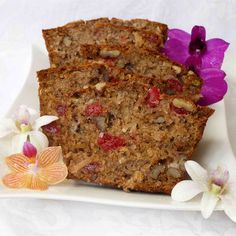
[142, 24]
[131, 143]
[63, 43]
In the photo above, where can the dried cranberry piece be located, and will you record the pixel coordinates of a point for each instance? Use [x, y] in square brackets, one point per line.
[113, 79]
[91, 167]
[153, 97]
[110, 61]
[154, 38]
[180, 111]
[110, 142]
[61, 110]
[175, 85]
[93, 109]
[51, 128]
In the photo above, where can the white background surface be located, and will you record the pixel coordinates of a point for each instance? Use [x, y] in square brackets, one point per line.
[22, 21]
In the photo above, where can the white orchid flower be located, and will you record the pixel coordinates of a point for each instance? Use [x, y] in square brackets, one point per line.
[25, 123]
[215, 186]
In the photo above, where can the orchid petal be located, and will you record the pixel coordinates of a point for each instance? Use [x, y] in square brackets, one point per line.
[198, 40]
[213, 91]
[185, 190]
[49, 156]
[180, 35]
[54, 173]
[229, 209]
[18, 142]
[22, 115]
[43, 120]
[32, 112]
[35, 183]
[219, 176]
[17, 163]
[34, 115]
[231, 189]
[39, 140]
[15, 180]
[228, 201]
[216, 43]
[198, 32]
[26, 113]
[208, 204]
[7, 127]
[197, 173]
[214, 55]
[24, 180]
[176, 50]
[213, 59]
[211, 73]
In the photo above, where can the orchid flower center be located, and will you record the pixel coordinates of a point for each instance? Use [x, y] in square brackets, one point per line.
[215, 189]
[197, 45]
[218, 180]
[33, 167]
[194, 63]
[29, 150]
[22, 119]
[25, 128]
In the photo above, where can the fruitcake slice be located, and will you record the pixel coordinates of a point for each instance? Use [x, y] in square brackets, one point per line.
[55, 84]
[63, 43]
[170, 78]
[125, 134]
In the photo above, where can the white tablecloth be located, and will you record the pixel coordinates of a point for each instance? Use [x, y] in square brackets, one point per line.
[22, 21]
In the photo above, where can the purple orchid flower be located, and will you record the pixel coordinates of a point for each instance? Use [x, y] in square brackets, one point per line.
[204, 57]
[214, 86]
[181, 45]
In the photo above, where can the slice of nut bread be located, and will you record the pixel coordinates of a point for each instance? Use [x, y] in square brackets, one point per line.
[64, 42]
[124, 134]
[169, 78]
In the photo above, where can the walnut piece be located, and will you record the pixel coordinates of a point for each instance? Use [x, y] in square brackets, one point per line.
[138, 40]
[183, 103]
[173, 172]
[156, 171]
[177, 69]
[100, 86]
[67, 41]
[109, 53]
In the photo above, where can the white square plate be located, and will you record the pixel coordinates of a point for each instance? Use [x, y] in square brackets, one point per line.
[214, 149]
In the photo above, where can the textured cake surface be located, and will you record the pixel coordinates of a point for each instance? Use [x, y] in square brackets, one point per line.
[127, 114]
[176, 77]
[124, 133]
[63, 43]
[98, 73]
[169, 76]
